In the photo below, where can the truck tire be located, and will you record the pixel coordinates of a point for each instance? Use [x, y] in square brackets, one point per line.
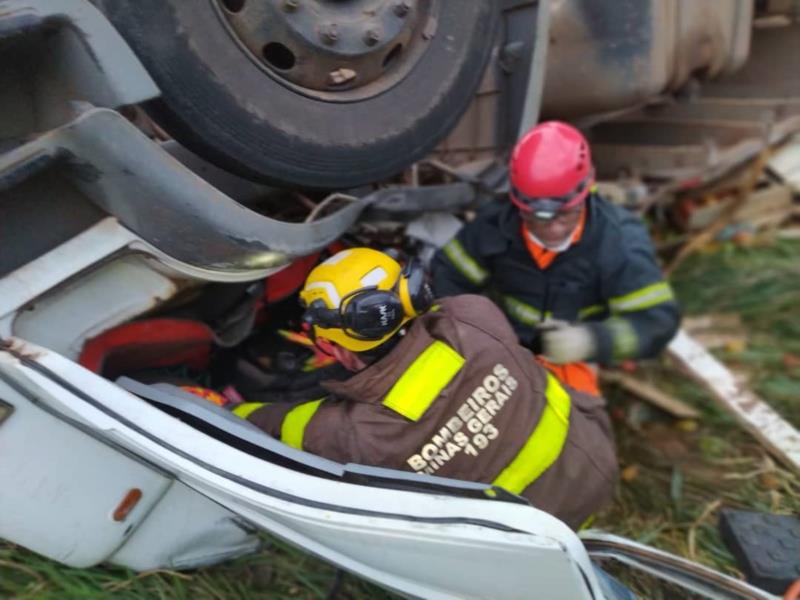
[218, 101]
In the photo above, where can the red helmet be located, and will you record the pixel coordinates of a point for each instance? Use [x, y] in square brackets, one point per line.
[551, 169]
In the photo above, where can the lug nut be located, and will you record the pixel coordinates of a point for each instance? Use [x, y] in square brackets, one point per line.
[401, 9]
[371, 37]
[291, 5]
[329, 34]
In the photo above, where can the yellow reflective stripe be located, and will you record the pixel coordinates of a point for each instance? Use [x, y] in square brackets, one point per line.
[522, 312]
[624, 341]
[588, 522]
[587, 312]
[464, 262]
[295, 421]
[643, 298]
[424, 380]
[245, 409]
[545, 443]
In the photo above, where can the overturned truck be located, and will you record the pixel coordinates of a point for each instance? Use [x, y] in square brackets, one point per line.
[148, 148]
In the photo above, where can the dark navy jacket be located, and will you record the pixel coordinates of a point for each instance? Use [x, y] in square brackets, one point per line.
[609, 278]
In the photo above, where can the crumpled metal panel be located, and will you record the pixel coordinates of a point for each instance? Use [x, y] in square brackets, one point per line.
[152, 194]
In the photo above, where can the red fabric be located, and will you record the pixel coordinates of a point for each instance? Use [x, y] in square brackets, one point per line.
[541, 255]
[147, 344]
[287, 281]
[551, 160]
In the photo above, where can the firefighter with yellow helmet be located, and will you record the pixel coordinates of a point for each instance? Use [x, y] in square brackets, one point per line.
[441, 389]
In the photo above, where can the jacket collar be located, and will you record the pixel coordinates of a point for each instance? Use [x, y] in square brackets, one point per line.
[373, 383]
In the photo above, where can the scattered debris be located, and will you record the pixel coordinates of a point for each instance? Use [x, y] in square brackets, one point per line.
[767, 426]
[654, 396]
[629, 473]
[767, 206]
[727, 216]
[723, 331]
[785, 164]
[792, 233]
[691, 538]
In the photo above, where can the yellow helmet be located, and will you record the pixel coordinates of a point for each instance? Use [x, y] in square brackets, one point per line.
[360, 297]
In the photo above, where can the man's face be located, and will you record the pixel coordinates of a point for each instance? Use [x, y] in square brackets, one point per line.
[555, 231]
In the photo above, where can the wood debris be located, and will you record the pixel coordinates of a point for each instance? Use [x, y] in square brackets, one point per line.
[727, 216]
[776, 434]
[654, 396]
[717, 331]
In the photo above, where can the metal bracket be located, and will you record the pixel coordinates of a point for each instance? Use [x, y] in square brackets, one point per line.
[152, 194]
[668, 567]
[59, 52]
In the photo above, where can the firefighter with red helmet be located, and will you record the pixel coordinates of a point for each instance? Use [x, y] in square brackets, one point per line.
[441, 390]
[576, 275]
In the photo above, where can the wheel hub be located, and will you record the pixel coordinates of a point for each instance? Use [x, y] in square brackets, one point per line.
[336, 49]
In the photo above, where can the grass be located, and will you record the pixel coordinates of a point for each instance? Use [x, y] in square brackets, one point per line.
[677, 475]
[279, 571]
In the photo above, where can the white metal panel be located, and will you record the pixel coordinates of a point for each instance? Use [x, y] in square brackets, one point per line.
[186, 530]
[60, 487]
[105, 297]
[63, 296]
[50, 269]
[425, 545]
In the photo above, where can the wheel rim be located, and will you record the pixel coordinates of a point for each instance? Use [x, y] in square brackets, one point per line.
[334, 50]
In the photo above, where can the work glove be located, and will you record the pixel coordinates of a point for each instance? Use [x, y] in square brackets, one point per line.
[562, 342]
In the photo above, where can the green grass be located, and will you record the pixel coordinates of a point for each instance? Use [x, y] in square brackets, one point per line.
[279, 571]
[684, 476]
[680, 474]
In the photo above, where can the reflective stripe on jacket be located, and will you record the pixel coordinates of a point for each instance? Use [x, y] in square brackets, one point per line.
[610, 279]
[459, 397]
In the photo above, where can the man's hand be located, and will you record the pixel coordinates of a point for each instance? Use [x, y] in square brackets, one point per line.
[564, 343]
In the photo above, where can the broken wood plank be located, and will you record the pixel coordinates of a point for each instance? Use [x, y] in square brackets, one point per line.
[789, 234]
[776, 434]
[729, 341]
[707, 235]
[717, 321]
[654, 396]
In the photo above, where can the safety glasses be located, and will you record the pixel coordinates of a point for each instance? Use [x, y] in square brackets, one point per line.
[548, 208]
[561, 216]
